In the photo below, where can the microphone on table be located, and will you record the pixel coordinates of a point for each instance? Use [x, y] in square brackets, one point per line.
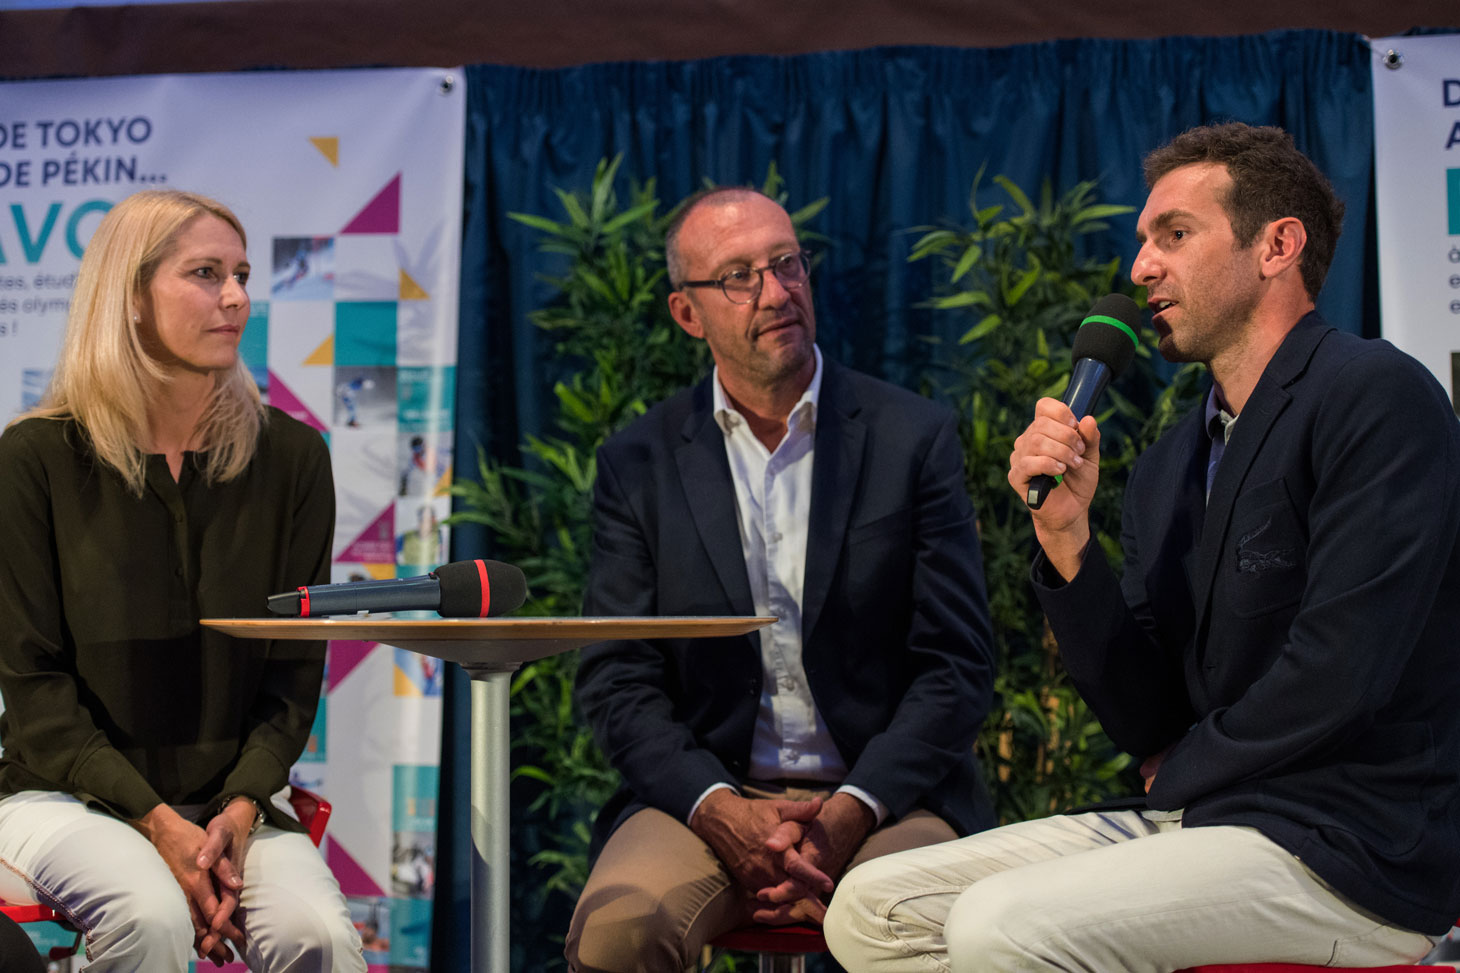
[1104, 346]
[461, 589]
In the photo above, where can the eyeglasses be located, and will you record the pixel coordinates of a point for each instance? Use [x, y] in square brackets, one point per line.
[743, 286]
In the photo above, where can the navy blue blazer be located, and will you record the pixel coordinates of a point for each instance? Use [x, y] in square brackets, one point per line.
[1296, 637]
[895, 626]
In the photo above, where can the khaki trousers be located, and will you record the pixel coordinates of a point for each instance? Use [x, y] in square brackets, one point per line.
[658, 893]
[1128, 891]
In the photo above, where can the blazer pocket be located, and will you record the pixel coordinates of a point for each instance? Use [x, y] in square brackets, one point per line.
[1267, 545]
[899, 521]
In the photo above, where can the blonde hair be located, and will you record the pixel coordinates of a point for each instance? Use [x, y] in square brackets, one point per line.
[105, 378]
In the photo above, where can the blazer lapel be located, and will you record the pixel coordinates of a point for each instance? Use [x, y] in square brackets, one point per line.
[704, 475]
[1268, 400]
[836, 472]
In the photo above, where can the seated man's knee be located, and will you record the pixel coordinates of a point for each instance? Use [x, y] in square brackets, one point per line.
[853, 904]
[885, 910]
[624, 932]
[992, 924]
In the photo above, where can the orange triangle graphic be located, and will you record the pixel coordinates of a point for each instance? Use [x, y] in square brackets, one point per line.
[410, 290]
[403, 685]
[379, 572]
[329, 147]
[324, 354]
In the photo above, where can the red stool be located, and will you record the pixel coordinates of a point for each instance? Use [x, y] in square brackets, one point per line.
[1298, 967]
[312, 811]
[781, 949]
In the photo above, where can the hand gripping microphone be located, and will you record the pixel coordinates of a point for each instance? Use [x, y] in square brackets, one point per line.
[461, 589]
[1104, 346]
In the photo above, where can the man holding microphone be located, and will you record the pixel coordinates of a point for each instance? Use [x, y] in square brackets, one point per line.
[1279, 650]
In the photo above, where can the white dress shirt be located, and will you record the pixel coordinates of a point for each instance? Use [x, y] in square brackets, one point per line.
[773, 506]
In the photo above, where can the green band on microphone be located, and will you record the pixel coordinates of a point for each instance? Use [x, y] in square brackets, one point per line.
[1104, 319]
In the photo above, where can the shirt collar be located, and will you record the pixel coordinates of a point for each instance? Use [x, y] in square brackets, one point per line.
[804, 411]
[1215, 418]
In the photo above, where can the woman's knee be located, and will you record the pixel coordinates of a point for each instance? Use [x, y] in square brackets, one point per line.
[299, 937]
[152, 925]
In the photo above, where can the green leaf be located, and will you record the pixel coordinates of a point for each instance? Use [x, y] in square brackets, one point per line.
[628, 216]
[965, 263]
[533, 773]
[1101, 211]
[961, 299]
[602, 192]
[933, 242]
[808, 212]
[573, 208]
[1021, 286]
[1056, 388]
[988, 214]
[1015, 193]
[538, 223]
[984, 328]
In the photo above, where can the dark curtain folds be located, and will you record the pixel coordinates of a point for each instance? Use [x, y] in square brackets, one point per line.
[893, 137]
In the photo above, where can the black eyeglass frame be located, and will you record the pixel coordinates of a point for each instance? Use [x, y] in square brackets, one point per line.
[802, 256]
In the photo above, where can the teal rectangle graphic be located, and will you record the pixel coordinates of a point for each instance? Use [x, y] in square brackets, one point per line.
[414, 802]
[365, 333]
[1452, 188]
[253, 347]
[426, 396]
[410, 941]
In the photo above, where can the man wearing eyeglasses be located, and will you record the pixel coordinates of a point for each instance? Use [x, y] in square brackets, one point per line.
[756, 768]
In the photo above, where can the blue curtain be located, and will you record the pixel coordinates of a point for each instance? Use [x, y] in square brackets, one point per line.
[893, 137]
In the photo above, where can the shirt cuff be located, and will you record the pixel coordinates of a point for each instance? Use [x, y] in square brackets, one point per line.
[722, 786]
[878, 808]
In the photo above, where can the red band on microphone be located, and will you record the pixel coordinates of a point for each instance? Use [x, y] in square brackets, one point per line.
[486, 587]
[303, 602]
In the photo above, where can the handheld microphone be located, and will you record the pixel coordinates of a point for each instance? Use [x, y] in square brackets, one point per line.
[461, 589]
[1104, 346]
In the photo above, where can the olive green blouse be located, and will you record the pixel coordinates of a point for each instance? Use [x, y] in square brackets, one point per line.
[112, 690]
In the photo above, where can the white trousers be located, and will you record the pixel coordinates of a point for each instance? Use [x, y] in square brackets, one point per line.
[103, 875]
[1123, 891]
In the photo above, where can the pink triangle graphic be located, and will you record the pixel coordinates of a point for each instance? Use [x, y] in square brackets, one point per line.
[281, 397]
[381, 214]
[376, 543]
[344, 657]
[353, 879]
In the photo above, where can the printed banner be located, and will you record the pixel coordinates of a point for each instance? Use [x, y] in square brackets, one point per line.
[1417, 177]
[348, 184]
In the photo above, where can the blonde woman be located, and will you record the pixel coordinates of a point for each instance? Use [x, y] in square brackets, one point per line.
[150, 489]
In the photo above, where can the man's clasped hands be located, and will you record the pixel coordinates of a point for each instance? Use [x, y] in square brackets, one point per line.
[785, 854]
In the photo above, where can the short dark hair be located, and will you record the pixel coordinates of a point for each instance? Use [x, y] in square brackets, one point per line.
[671, 235]
[1271, 180]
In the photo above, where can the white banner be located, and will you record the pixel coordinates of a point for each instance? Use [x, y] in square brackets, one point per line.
[1417, 176]
[348, 184]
